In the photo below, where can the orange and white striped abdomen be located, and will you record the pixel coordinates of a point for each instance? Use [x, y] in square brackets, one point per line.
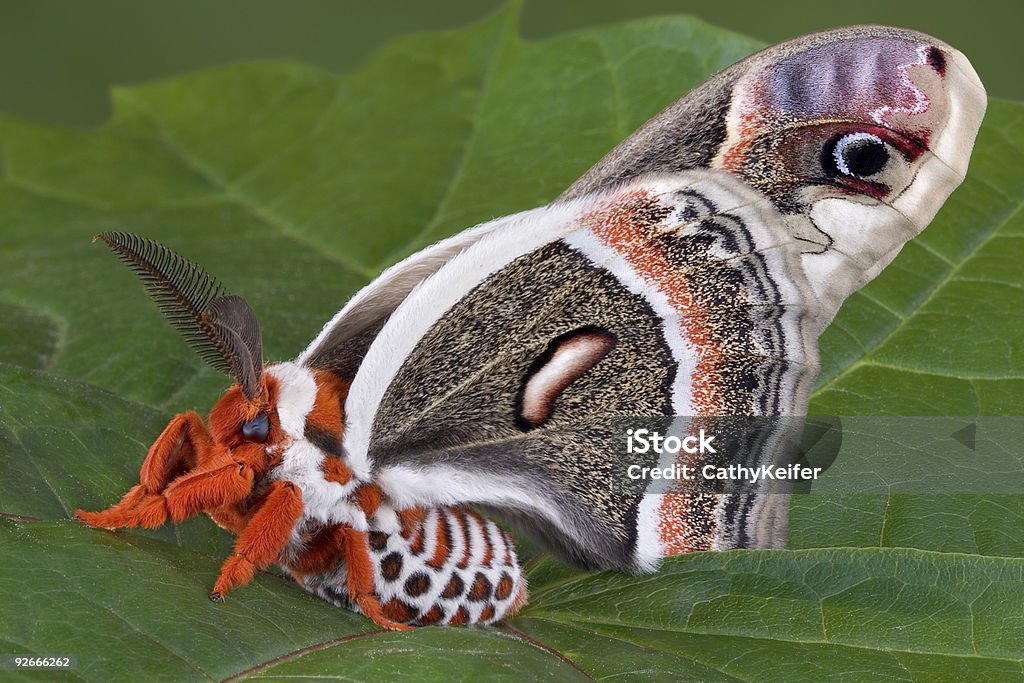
[436, 566]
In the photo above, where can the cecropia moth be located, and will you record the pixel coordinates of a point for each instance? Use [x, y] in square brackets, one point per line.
[690, 272]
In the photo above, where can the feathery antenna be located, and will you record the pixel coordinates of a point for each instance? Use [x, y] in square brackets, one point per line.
[220, 327]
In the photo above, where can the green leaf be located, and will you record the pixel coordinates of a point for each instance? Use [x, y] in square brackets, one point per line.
[295, 187]
[793, 615]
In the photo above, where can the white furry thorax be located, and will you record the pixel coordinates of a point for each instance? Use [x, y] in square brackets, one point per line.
[325, 501]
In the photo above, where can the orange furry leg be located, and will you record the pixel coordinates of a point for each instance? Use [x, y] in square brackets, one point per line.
[149, 512]
[119, 515]
[360, 579]
[187, 495]
[180, 448]
[263, 538]
[231, 518]
[183, 444]
[208, 489]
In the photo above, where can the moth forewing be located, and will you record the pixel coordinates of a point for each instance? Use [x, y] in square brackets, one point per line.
[633, 264]
[714, 245]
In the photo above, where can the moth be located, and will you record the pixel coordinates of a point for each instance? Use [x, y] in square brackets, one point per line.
[689, 272]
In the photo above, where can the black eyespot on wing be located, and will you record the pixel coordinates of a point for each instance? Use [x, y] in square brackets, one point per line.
[865, 158]
[859, 155]
[256, 429]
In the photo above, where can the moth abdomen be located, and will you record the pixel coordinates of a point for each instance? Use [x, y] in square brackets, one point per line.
[431, 567]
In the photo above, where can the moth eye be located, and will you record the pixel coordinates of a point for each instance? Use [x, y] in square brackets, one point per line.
[855, 154]
[256, 429]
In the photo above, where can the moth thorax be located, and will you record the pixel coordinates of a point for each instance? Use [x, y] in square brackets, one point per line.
[296, 396]
[309, 405]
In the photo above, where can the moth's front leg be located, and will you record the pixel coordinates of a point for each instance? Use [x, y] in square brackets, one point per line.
[263, 538]
[210, 488]
[184, 443]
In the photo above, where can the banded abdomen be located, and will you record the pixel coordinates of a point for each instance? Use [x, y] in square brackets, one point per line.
[436, 566]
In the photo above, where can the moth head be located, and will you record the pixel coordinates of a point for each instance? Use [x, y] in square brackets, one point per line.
[857, 136]
[221, 327]
[237, 423]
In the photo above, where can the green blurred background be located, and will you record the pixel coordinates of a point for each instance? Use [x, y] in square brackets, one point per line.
[60, 57]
